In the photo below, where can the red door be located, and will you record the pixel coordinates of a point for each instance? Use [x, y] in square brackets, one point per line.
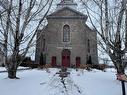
[78, 60]
[63, 61]
[66, 58]
[53, 61]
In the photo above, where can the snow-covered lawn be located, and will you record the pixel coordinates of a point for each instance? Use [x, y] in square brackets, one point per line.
[4, 69]
[40, 82]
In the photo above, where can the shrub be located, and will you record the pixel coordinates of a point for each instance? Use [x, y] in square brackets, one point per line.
[34, 66]
[47, 66]
[99, 66]
[83, 66]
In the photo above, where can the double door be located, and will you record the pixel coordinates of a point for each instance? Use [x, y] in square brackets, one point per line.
[66, 61]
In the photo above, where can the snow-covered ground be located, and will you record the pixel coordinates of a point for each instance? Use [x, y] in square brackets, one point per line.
[81, 82]
[4, 69]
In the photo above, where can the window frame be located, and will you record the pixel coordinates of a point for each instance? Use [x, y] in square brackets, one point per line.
[66, 33]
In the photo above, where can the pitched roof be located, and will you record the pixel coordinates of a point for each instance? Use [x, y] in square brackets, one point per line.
[67, 8]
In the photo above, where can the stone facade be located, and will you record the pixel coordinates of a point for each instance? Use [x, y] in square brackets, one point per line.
[1, 58]
[82, 44]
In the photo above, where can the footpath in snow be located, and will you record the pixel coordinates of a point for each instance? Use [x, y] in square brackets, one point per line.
[58, 86]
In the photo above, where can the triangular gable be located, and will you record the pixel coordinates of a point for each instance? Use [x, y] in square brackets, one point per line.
[66, 11]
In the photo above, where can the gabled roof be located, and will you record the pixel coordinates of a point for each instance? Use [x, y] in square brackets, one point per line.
[55, 14]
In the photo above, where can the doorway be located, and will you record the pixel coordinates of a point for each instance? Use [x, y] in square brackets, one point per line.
[66, 58]
[78, 61]
[53, 61]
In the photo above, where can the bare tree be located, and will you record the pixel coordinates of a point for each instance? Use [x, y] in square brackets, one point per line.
[109, 19]
[19, 24]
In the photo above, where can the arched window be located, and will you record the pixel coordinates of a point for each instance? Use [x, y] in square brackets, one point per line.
[66, 33]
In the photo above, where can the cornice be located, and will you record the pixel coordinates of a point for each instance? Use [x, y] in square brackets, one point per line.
[66, 17]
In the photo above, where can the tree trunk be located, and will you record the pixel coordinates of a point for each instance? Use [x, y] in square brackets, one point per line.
[12, 74]
[120, 70]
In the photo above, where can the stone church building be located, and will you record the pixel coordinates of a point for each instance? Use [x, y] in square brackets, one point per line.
[66, 40]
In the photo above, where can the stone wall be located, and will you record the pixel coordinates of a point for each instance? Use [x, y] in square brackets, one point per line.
[80, 33]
